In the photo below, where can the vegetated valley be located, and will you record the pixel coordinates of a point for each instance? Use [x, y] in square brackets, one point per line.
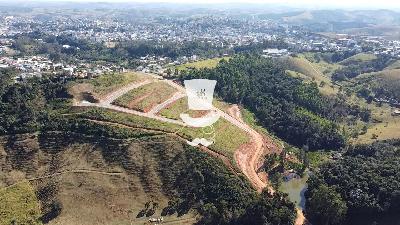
[58, 160]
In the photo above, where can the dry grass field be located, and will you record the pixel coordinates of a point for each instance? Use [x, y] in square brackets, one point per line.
[144, 98]
[101, 86]
[302, 68]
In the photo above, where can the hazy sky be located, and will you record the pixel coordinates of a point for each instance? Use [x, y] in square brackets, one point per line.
[374, 4]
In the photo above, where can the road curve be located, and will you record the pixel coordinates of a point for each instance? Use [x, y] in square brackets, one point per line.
[246, 158]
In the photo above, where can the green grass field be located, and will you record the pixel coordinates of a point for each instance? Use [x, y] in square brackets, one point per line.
[110, 82]
[207, 63]
[250, 119]
[146, 97]
[228, 137]
[19, 205]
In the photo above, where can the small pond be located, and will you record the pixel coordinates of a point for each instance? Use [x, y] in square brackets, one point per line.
[295, 188]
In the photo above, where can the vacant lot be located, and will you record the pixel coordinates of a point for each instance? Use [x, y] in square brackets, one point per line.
[146, 97]
[100, 86]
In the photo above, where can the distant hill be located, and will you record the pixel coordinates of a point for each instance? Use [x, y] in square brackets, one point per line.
[384, 84]
[341, 20]
[361, 57]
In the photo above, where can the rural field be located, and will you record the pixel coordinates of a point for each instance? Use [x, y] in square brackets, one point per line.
[19, 205]
[384, 125]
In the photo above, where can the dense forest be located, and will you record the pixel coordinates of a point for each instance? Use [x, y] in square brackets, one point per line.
[26, 106]
[362, 188]
[293, 110]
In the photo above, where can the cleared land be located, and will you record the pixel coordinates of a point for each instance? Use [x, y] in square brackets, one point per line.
[207, 63]
[100, 86]
[173, 110]
[144, 98]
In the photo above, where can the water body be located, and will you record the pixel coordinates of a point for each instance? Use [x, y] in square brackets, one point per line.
[295, 188]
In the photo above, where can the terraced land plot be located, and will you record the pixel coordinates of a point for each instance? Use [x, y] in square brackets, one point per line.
[100, 86]
[144, 98]
[228, 137]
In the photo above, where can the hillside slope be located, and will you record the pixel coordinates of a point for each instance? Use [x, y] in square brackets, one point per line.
[100, 177]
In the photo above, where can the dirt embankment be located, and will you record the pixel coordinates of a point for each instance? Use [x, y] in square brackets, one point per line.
[249, 156]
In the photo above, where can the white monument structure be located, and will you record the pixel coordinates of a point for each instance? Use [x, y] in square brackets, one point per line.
[200, 96]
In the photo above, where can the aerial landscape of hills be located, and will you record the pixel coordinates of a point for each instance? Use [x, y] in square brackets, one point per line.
[102, 107]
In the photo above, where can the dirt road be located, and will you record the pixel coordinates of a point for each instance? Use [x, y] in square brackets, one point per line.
[106, 103]
[300, 219]
[247, 157]
[159, 107]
